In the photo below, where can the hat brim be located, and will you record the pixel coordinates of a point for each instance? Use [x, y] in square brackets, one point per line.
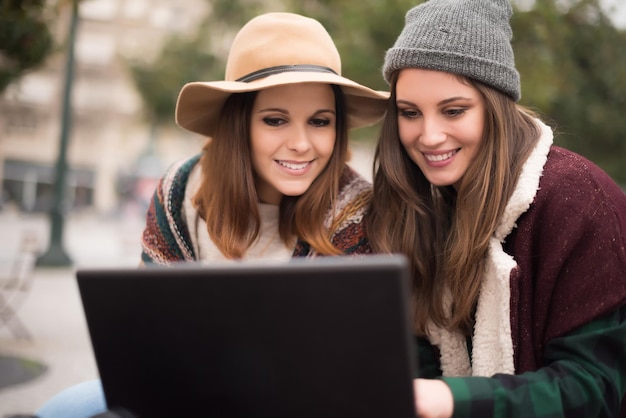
[200, 103]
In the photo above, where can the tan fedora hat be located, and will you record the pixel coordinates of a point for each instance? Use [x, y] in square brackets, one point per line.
[275, 49]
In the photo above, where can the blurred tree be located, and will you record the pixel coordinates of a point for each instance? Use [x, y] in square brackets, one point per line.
[25, 40]
[203, 57]
[570, 57]
[362, 31]
[572, 60]
[182, 60]
[158, 82]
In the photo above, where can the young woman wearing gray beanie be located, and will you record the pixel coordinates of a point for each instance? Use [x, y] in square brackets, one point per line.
[517, 246]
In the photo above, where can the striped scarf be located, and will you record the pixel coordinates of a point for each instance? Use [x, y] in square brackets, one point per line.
[166, 238]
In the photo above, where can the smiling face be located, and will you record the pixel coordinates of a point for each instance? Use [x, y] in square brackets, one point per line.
[292, 134]
[441, 122]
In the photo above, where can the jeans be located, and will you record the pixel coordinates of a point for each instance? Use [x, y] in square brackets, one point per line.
[83, 400]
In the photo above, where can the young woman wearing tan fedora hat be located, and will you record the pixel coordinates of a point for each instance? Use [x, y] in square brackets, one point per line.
[272, 181]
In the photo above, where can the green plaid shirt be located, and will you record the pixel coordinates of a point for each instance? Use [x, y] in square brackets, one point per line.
[584, 376]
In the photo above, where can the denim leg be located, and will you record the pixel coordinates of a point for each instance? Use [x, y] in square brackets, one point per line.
[83, 400]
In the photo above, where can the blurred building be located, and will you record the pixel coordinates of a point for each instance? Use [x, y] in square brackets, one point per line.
[112, 157]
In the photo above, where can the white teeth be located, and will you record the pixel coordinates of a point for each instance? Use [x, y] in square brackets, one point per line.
[439, 157]
[292, 166]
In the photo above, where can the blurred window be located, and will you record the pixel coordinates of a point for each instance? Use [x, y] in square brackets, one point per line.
[99, 9]
[135, 9]
[34, 89]
[95, 48]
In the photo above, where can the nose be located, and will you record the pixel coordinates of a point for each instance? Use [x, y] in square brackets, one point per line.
[298, 140]
[433, 132]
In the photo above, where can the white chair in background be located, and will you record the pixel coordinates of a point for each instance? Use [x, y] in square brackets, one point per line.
[16, 277]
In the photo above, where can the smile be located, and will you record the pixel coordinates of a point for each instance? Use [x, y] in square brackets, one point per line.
[440, 157]
[294, 166]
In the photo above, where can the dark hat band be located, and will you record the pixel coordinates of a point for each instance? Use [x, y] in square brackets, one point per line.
[265, 72]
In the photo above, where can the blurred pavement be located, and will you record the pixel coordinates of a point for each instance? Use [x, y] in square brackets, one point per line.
[52, 311]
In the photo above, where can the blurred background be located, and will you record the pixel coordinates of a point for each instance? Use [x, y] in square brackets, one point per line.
[87, 96]
[131, 57]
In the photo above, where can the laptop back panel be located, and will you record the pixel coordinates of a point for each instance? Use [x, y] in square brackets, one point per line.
[322, 337]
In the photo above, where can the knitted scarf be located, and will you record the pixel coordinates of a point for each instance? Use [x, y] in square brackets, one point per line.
[166, 237]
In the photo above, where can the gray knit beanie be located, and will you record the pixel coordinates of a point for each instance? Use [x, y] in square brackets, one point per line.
[471, 38]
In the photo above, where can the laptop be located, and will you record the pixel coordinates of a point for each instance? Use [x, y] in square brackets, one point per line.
[317, 337]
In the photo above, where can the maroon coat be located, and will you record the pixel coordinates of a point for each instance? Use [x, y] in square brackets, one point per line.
[570, 250]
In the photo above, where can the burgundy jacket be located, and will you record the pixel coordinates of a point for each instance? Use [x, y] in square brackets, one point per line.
[569, 247]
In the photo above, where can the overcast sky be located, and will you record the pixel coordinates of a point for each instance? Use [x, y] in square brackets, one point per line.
[615, 9]
[618, 14]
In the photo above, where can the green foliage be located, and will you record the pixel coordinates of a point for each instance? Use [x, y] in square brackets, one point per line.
[360, 43]
[159, 82]
[185, 60]
[572, 68]
[25, 40]
[571, 60]
[362, 30]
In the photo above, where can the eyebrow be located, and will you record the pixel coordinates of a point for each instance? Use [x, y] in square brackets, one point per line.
[443, 102]
[278, 109]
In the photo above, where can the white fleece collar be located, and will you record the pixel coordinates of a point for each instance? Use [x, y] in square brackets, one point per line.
[492, 345]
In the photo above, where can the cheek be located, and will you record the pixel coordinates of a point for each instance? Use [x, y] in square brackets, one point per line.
[326, 144]
[406, 140]
[475, 131]
[406, 132]
[255, 154]
[255, 140]
[263, 144]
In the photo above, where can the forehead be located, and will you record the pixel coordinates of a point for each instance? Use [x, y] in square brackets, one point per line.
[419, 82]
[296, 93]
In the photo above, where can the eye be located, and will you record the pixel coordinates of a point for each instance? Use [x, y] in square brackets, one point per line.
[455, 112]
[274, 121]
[409, 113]
[319, 122]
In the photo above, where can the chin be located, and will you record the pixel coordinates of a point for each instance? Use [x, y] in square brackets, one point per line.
[294, 191]
[442, 183]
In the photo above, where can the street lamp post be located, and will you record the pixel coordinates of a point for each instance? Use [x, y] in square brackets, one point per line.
[55, 254]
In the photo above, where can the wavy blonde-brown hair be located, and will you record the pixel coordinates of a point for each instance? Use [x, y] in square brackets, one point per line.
[227, 198]
[442, 230]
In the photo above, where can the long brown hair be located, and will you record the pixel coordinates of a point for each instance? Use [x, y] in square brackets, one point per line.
[227, 198]
[443, 231]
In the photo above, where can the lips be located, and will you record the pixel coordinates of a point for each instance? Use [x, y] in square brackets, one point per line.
[294, 165]
[435, 158]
